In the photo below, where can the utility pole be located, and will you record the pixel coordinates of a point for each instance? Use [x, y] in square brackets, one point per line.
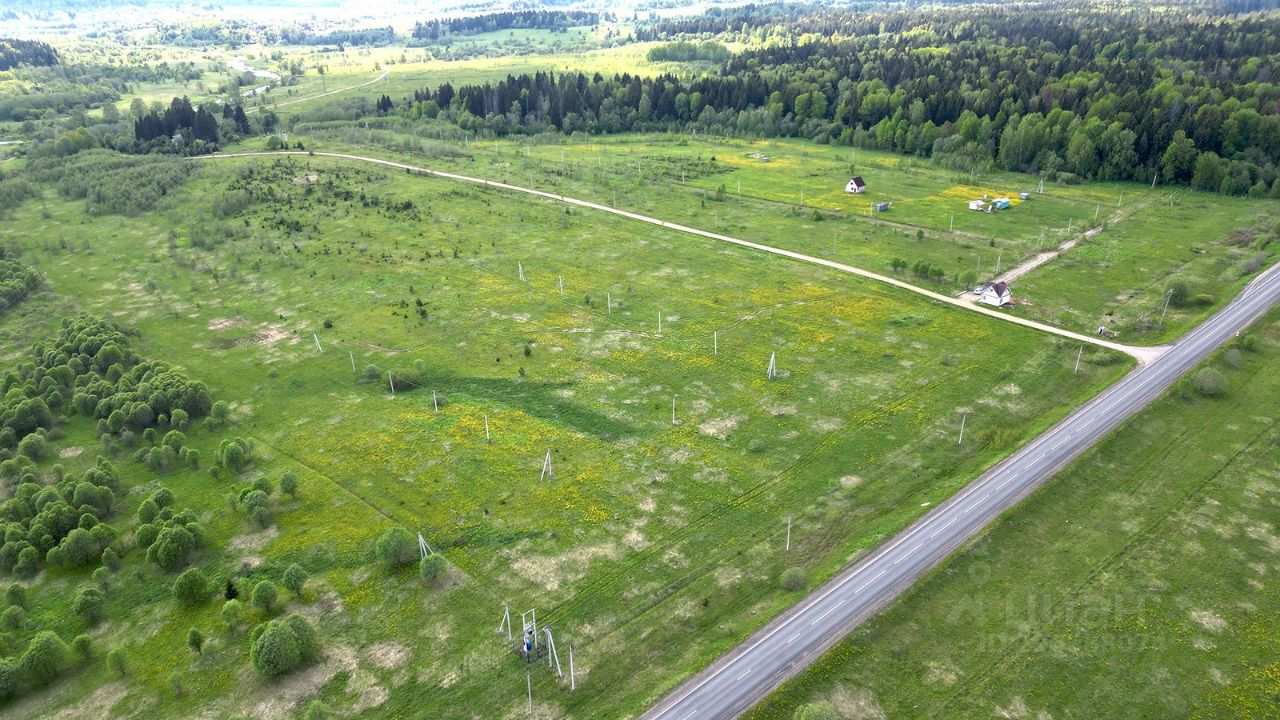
[528, 683]
[353, 360]
[788, 533]
[673, 409]
[486, 428]
[391, 381]
[573, 685]
[317, 339]
[1167, 297]
[1078, 356]
[963, 417]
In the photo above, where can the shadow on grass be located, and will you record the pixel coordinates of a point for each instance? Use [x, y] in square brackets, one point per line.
[537, 399]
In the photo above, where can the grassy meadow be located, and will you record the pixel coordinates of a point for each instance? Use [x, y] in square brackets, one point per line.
[1138, 583]
[655, 538]
[1116, 276]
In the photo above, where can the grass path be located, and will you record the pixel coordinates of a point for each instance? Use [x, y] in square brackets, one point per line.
[1143, 355]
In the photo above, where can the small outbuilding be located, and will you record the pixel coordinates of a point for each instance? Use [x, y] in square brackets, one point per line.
[995, 294]
[856, 185]
[977, 205]
[1024, 196]
[882, 206]
[1001, 203]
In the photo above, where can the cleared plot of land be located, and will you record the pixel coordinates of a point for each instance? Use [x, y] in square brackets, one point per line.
[1120, 276]
[1114, 277]
[651, 532]
[1136, 584]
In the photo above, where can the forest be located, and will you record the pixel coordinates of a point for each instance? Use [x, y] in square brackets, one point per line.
[25, 52]
[1070, 94]
[515, 20]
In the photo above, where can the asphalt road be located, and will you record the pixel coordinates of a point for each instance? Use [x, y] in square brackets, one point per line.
[737, 680]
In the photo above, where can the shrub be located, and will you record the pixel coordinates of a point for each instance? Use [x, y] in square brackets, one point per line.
[1179, 292]
[289, 484]
[82, 645]
[13, 618]
[277, 649]
[46, 657]
[294, 578]
[172, 547]
[8, 679]
[257, 507]
[265, 596]
[110, 560]
[793, 579]
[1210, 382]
[195, 640]
[230, 614]
[1233, 358]
[191, 588]
[89, 604]
[432, 567]
[396, 547]
[115, 661]
[15, 594]
[317, 710]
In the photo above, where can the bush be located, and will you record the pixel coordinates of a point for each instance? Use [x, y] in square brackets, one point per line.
[265, 596]
[793, 579]
[46, 657]
[1233, 358]
[8, 679]
[396, 547]
[82, 645]
[289, 484]
[89, 604]
[110, 560]
[294, 578]
[432, 567]
[191, 588]
[257, 507]
[1210, 382]
[1179, 292]
[283, 646]
[230, 614]
[115, 661]
[13, 618]
[317, 710]
[195, 640]
[15, 594]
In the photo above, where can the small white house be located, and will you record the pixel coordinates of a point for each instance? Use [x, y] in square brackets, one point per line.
[994, 294]
[977, 205]
[856, 185]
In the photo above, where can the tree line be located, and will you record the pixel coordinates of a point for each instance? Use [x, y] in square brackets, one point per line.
[1070, 92]
[15, 52]
[16, 278]
[557, 20]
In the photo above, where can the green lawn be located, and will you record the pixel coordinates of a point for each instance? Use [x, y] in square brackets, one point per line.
[1138, 583]
[651, 533]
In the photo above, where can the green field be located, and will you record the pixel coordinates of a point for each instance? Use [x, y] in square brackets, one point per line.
[651, 535]
[1117, 276]
[1138, 583]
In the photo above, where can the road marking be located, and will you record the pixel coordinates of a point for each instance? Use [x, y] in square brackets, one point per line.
[748, 672]
[869, 581]
[691, 714]
[950, 522]
[790, 639]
